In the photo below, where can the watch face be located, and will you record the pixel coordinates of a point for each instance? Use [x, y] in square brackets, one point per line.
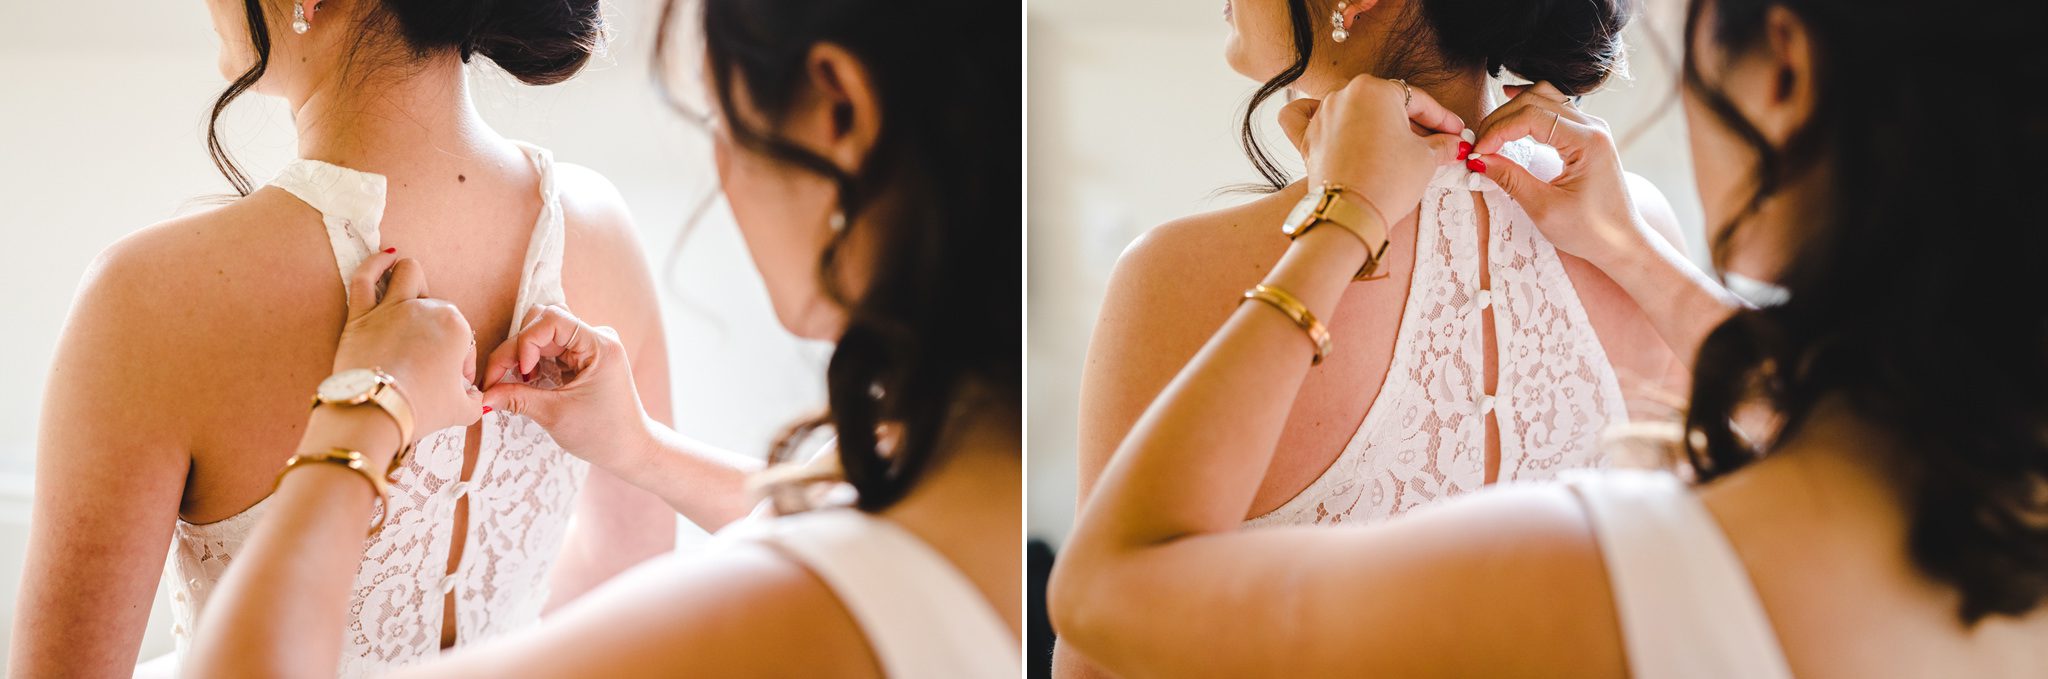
[1300, 216]
[348, 385]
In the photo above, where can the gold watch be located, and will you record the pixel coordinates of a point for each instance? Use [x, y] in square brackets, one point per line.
[1359, 217]
[372, 386]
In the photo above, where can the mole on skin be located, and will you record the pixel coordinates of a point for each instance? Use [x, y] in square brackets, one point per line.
[461, 178]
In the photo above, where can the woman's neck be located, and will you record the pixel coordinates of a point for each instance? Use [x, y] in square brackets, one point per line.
[393, 120]
[1465, 94]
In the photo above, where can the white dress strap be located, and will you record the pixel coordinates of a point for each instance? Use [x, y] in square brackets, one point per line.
[922, 617]
[1686, 605]
[540, 282]
[351, 205]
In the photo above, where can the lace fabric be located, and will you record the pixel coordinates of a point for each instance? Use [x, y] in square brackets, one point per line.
[1424, 436]
[520, 493]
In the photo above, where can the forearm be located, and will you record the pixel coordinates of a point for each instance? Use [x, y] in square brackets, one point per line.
[704, 483]
[282, 609]
[617, 525]
[1682, 302]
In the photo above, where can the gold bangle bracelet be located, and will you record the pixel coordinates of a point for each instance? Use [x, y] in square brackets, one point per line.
[1297, 312]
[354, 461]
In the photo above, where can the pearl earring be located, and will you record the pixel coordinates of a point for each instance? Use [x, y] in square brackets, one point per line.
[299, 24]
[1341, 18]
[837, 221]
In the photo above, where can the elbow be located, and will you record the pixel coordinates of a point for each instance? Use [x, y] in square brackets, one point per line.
[1072, 600]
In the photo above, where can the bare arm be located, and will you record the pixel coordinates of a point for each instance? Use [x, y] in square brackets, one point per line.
[110, 474]
[1157, 578]
[616, 524]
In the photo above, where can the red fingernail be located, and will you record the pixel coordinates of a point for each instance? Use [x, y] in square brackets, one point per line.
[487, 410]
[1464, 149]
[390, 250]
[1475, 165]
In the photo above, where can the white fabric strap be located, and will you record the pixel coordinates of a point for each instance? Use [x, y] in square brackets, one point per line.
[351, 205]
[922, 617]
[1686, 605]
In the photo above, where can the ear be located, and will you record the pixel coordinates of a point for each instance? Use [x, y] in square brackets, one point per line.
[848, 110]
[1789, 102]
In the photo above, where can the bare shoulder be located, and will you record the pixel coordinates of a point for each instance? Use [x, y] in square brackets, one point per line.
[593, 210]
[1169, 291]
[1179, 279]
[605, 268]
[1522, 570]
[169, 266]
[735, 611]
[1656, 209]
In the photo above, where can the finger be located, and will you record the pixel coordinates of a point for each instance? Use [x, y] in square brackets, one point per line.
[1424, 110]
[1545, 110]
[363, 282]
[1542, 124]
[469, 363]
[1294, 119]
[408, 281]
[558, 333]
[1443, 148]
[1532, 193]
[520, 399]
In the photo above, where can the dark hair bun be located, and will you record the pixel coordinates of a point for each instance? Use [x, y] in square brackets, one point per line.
[540, 42]
[1573, 44]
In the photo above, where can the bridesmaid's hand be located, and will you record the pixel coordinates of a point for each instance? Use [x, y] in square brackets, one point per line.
[575, 380]
[424, 344]
[1377, 137]
[1586, 210]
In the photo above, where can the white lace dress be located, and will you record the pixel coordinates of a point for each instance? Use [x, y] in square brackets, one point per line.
[1424, 437]
[520, 493]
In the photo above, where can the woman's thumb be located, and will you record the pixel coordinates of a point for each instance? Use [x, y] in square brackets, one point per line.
[1294, 119]
[520, 399]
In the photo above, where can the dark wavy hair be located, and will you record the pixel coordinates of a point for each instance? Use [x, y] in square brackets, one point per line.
[1914, 294]
[940, 321]
[1574, 44]
[540, 42]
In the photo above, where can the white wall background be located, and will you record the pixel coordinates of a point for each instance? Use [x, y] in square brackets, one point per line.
[102, 115]
[1133, 122]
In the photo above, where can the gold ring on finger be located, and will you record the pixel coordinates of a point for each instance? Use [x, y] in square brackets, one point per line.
[1554, 118]
[1407, 93]
[578, 330]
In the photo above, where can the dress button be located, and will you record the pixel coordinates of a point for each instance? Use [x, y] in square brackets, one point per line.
[1485, 298]
[459, 489]
[447, 583]
[178, 596]
[1486, 404]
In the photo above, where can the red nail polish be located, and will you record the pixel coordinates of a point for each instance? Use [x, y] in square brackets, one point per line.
[390, 250]
[487, 410]
[1464, 149]
[1475, 165]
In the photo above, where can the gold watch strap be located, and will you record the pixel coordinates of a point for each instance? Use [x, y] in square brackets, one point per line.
[1357, 216]
[393, 401]
[388, 397]
[354, 461]
[1288, 304]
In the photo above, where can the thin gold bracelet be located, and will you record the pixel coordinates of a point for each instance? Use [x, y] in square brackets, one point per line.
[1297, 312]
[354, 461]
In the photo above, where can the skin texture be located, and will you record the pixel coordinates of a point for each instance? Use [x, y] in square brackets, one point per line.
[1178, 283]
[183, 373]
[732, 612]
[1157, 580]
